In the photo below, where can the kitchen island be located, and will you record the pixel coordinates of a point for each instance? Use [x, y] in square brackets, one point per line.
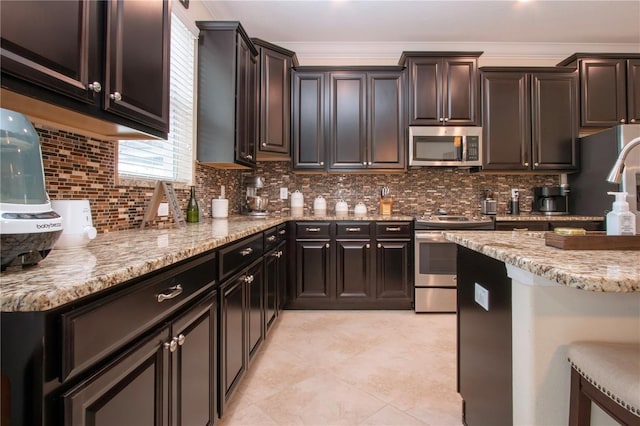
[556, 297]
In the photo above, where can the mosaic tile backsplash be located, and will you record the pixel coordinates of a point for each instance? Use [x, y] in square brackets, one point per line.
[77, 167]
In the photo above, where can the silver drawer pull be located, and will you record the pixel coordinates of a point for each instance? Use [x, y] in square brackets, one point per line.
[353, 229]
[393, 229]
[282, 231]
[248, 279]
[181, 339]
[327, 245]
[379, 245]
[368, 245]
[271, 238]
[312, 229]
[174, 291]
[246, 252]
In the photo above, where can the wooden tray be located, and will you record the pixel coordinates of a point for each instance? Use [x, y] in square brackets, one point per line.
[594, 240]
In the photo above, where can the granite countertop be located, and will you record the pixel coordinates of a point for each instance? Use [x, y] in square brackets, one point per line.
[594, 270]
[115, 257]
[543, 218]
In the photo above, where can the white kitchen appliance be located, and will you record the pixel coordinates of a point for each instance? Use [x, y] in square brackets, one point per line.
[76, 221]
[28, 226]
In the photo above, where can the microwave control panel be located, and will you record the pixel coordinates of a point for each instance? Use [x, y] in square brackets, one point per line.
[473, 148]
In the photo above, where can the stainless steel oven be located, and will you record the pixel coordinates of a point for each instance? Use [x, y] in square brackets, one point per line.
[435, 261]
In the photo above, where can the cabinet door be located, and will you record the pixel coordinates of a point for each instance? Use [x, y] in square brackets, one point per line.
[393, 276]
[313, 269]
[386, 128]
[282, 275]
[347, 121]
[271, 266]
[603, 92]
[460, 93]
[354, 264]
[308, 121]
[554, 121]
[255, 307]
[137, 68]
[133, 389]
[275, 102]
[633, 91]
[194, 365]
[55, 44]
[245, 104]
[506, 121]
[425, 91]
[233, 361]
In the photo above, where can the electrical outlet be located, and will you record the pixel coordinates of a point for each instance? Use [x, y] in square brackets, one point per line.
[284, 193]
[163, 209]
[481, 296]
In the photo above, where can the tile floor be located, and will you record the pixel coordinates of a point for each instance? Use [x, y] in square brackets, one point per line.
[352, 368]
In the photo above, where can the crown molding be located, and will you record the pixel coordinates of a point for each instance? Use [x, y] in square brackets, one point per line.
[495, 53]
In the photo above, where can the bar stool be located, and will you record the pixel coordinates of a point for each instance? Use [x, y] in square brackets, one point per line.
[607, 374]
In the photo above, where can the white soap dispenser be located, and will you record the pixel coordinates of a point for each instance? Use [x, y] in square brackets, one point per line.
[620, 221]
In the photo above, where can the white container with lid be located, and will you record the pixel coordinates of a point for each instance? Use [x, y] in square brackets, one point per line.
[360, 209]
[320, 206]
[77, 223]
[342, 208]
[297, 203]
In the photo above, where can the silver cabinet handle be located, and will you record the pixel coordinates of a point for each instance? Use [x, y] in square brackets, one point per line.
[174, 291]
[264, 144]
[248, 279]
[172, 345]
[116, 96]
[393, 229]
[352, 229]
[536, 164]
[368, 245]
[441, 119]
[249, 157]
[446, 119]
[312, 229]
[322, 163]
[379, 245]
[271, 238]
[364, 163]
[633, 120]
[327, 245]
[181, 339]
[526, 164]
[622, 120]
[246, 252]
[280, 253]
[282, 231]
[95, 86]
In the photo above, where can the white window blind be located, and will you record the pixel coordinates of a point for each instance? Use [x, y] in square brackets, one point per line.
[170, 160]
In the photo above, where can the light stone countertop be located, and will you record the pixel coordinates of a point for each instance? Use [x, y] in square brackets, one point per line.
[593, 270]
[116, 257]
[543, 218]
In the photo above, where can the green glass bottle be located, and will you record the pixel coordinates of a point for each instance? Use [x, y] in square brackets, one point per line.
[193, 213]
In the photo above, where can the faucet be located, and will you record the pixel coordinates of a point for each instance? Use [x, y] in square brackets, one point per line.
[615, 175]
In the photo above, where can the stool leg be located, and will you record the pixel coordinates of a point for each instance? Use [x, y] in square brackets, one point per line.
[579, 403]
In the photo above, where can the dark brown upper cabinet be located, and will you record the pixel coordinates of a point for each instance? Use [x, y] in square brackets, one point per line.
[529, 118]
[443, 88]
[274, 94]
[98, 67]
[609, 88]
[348, 119]
[227, 95]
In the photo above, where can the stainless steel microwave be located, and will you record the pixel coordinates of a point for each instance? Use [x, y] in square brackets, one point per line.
[445, 146]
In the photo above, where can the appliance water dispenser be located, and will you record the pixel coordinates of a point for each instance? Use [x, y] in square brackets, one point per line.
[28, 225]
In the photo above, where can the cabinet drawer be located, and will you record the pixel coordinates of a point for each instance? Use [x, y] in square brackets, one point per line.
[96, 330]
[282, 232]
[239, 254]
[313, 229]
[393, 229]
[354, 229]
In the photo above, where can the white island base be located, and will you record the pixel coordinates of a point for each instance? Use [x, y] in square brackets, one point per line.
[546, 318]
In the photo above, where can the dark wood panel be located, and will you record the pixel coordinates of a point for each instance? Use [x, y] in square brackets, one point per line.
[308, 120]
[425, 96]
[460, 104]
[255, 307]
[633, 91]
[233, 361]
[354, 269]
[506, 120]
[603, 92]
[348, 135]
[393, 271]
[386, 127]
[314, 272]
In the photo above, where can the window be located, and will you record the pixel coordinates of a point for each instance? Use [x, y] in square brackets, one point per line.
[170, 160]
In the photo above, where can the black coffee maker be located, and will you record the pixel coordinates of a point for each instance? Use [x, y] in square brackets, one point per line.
[551, 200]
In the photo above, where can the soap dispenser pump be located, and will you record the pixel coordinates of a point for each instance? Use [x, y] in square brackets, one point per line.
[620, 221]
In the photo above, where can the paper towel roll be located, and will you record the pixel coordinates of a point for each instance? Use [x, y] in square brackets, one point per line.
[219, 207]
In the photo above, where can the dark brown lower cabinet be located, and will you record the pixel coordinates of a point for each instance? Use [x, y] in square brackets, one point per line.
[352, 265]
[241, 326]
[275, 276]
[484, 340]
[169, 375]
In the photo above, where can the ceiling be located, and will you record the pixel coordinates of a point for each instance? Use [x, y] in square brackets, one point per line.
[332, 30]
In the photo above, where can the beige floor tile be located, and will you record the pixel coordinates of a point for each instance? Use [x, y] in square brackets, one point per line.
[352, 367]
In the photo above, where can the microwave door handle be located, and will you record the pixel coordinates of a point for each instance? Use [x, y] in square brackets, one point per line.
[464, 149]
